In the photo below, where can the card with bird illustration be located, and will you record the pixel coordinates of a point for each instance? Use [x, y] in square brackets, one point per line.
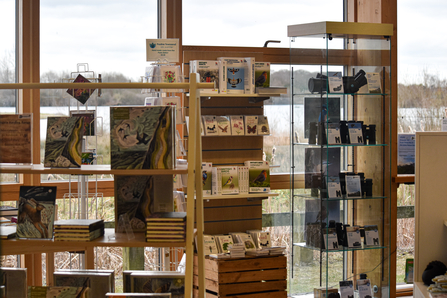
[259, 176]
[36, 212]
[262, 74]
[142, 137]
[207, 168]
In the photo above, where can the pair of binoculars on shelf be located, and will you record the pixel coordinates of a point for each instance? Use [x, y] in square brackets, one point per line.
[351, 84]
[318, 182]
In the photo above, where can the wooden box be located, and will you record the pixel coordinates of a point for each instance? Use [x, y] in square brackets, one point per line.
[249, 277]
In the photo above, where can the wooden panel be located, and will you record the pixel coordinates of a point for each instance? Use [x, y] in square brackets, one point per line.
[231, 157]
[232, 213]
[245, 276]
[214, 228]
[277, 294]
[232, 142]
[249, 287]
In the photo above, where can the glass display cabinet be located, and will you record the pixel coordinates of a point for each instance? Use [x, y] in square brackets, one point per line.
[340, 151]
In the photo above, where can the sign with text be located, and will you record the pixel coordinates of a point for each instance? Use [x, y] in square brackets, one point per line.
[162, 49]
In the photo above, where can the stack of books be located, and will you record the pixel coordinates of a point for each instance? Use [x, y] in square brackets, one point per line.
[78, 229]
[166, 227]
[237, 250]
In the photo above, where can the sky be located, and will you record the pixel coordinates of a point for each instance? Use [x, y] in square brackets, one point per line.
[110, 35]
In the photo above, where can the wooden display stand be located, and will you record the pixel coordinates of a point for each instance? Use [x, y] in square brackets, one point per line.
[252, 277]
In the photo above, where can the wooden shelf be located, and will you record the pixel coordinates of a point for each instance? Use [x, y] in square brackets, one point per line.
[110, 238]
[241, 196]
[88, 170]
[404, 179]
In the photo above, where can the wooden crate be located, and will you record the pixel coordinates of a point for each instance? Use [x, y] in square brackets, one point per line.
[249, 277]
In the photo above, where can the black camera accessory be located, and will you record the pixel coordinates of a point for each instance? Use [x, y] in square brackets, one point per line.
[313, 133]
[344, 132]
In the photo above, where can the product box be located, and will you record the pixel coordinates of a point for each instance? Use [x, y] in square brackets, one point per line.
[207, 179]
[225, 180]
[258, 176]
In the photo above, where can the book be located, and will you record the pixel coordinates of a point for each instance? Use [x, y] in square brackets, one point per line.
[237, 125]
[137, 197]
[364, 286]
[208, 71]
[142, 137]
[158, 282]
[210, 125]
[167, 217]
[207, 179]
[353, 236]
[223, 126]
[333, 133]
[263, 125]
[225, 180]
[73, 236]
[7, 232]
[209, 245]
[251, 123]
[16, 138]
[8, 211]
[175, 102]
[36, 212]
[14, 280]
[223, 241]
[164, 227]
[271, 90]
[333, 187]
[169, 73]
[63, 142]
[249, 75]
[81, 94]
[57, 292]
[243, 179]
[262, 74]
[346, 289]
[89, 121]
[353, 186]
[223, 77]
[246, 240]
[79, 224]
[235, 74]
[99, 282]
[261, 238]
[258, 176]
[371, 235]
[355, 132]
[374, 82]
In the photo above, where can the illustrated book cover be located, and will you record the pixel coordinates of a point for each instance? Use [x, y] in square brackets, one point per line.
[263, 125]
[251, 125]
[89, 121]
[63, 144]
[36, 212]
[170, 73]
[210, 125]
[223, 241]
[237, 125]
[16, 138]
[208, 71]
[225, 180]
[258, 176]
[262, 74]
[99, 283]
[81, 94]
[137, 197]
[142, 137]
[207, 172]
[159, 282]
[210, 246]
[235, 74]
[223, 126]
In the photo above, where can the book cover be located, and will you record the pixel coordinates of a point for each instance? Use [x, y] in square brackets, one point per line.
[208, 71]
[263, 239]
[262, 74]
[63, 142]
[258, 176]
[207, 179]
[249, 75]
[16, 138]
[15, 282]
[355, 132]
[374, 82]
[223, 241]
[81, 95]
[176, 103]
[229, 180]
[99, 282]
[263, 125]
[89, 121]
[78, 236]
[158, 282]
[167, 216]
[237, 125]
[247, 240]
[364, 286]
[251, 123]
[36, 212]
[353, 236]
[372, 235]
[142, 137]
[333, 187]
[210, 245]
[57, 292]
[346, 289]
[353, 186]
[210, 125]
[169, 73]
[223, 126]
[333, 133]
[235, 74]
[137, 197]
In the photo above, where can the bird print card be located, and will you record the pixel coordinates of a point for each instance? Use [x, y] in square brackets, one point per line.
[36, 212]
[142, 137]
[251, 125]
[235, 74]
[210, 125]
[237, 125]
[223, 126]
[262, 74]
[258, 176]
[225, 180]
[207, 168]
[208, 71]
[263, 126]
[63, 143]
